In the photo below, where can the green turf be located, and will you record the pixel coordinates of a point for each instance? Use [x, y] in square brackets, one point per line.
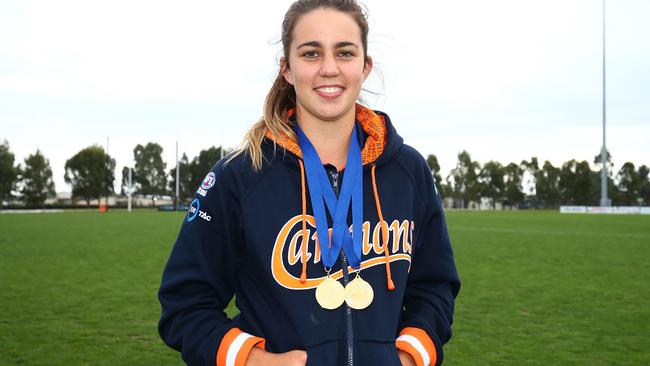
[539, 288]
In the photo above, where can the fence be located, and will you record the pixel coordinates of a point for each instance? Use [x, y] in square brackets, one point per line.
[620, 210]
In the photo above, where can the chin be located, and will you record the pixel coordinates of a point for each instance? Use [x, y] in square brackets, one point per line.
[333, 112]
[328, 116]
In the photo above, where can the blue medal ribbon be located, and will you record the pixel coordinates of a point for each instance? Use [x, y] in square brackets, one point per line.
[321, 190]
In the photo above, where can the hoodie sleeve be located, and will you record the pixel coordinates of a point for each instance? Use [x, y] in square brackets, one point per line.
[432, 286]
[198, 281]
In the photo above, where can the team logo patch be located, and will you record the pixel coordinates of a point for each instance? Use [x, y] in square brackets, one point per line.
[194, 210]
[208, 181]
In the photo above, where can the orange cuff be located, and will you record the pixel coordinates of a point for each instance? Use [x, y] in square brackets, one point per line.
[417, 343]
[235, 347]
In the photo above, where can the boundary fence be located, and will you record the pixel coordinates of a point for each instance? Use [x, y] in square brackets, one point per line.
[617, 210]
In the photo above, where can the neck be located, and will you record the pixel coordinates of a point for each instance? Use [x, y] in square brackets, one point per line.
[331, 139]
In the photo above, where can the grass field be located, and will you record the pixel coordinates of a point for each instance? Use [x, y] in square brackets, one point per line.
[539, 288]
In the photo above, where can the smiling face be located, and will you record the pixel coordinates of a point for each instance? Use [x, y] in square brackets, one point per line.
[326, 65]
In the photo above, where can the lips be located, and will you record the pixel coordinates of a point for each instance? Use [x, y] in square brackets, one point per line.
[329, 91]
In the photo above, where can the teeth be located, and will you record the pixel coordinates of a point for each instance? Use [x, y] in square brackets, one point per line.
[330, 90]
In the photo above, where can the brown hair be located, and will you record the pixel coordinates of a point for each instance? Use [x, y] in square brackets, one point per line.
[282, 95]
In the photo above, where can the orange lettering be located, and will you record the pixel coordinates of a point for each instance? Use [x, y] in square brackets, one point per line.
[394, 227]
[295, 254]
[366, 238]
[280, 273]
[280, 264]
[377, 245]
[408, 247]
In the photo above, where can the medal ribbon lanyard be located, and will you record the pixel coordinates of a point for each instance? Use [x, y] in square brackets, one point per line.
[321, 190]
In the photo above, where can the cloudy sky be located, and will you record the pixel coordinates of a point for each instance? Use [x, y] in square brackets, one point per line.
[503, 79]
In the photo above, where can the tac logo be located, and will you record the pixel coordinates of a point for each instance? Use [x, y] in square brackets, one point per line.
[204, 215]
[195, 211]
[208, 182]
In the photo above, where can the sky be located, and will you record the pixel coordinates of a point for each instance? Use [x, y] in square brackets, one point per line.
[504, 80]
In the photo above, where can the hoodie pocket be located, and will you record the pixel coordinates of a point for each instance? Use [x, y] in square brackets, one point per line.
[376, 353]
[325, 354]
[364, 353]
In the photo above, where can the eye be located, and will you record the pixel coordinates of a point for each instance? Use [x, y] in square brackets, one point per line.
[346, 54]
[310, 54]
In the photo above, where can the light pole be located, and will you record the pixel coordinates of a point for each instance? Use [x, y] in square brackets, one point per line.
[604, 201]
[176, 198]
[106, 174]
[130, 189]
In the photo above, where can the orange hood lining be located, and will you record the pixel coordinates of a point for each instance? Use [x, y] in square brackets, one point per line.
[372, 123]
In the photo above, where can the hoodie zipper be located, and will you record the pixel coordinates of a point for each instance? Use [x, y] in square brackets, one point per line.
[344, 262]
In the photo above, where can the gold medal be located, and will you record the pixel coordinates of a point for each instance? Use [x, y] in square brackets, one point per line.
[359, 293]
[330, 294]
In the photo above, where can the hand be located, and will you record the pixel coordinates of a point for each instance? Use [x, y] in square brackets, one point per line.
[259, 357]
[405, 358]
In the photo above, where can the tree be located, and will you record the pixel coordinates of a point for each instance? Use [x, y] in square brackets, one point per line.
[434, 167]
[36, 180]
[610, 165]
[149, 170]
[446, 189]
[612, 190]
[629, 184]
[513, 177]
[491, 179]
[577, 183]
[185, 188]
[530, 170]
[547, 185]
[644, 184]
[202, 164]
[464, 179]
[90, 172]
[8, 172]
[124, 186]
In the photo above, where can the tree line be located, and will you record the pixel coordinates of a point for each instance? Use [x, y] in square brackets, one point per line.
[527, 184]
[530, 184]
[31, 181]
[90, 173]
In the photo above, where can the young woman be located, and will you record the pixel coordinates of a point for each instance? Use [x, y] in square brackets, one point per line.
[325, 225]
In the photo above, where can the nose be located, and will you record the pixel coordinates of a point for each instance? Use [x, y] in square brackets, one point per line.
[329, 67]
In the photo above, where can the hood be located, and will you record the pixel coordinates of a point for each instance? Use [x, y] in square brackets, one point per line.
[381, 140]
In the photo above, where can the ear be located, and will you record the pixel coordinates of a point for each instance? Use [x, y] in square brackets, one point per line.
[367, 68]
[285, 70]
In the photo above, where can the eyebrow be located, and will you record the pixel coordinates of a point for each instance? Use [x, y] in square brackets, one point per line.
[319, 45]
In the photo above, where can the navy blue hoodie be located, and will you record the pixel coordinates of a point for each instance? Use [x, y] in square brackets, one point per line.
[244, 235]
